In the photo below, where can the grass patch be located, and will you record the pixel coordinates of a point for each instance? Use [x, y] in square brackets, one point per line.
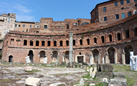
[99, 84]
[130, 81]
[87, 76]
[66, 74]
[5, 80]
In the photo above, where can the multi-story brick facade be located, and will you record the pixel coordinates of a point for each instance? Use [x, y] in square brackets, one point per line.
[113, 11]
[113, 42]
[49, 39]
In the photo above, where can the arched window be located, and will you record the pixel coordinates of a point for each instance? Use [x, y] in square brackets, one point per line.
[61, 43]
[31, 43]
[55, 43]
[37, 43]
[88, 41]
[135, 31]
[127, 33]
[118, 36]
[48, 43]
[43, 43]
[110, 38]
[81, 42]
[25, 42]
[102, 38]
[84, 23]
[95, 40]
[67, 43]
[67, 26]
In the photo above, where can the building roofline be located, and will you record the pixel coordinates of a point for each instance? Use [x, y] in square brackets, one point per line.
[102, 4]
[25, 22]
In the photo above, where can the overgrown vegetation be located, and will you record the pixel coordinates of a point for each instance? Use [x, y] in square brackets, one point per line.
[87, 76]
[130, 75]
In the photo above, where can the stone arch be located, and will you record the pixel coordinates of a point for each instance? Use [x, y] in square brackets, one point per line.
[111, 54]
[95, 53]
[43, 57]
[84, 23]
[30, 54]
[127, 49]
[55, 56]
[10, 58]
[66, 57]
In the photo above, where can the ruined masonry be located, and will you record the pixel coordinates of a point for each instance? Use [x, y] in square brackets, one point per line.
[109, 37]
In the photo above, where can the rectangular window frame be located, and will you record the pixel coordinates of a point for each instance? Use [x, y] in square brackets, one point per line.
[105, 18]
[123, 15]
[128, 1]
[129, 13]
[104, 9]
[116, 4]
[122, 2]
[117, 16]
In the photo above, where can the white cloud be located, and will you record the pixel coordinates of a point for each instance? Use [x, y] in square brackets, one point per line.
[25, 18]
[22, 12]
[21, 8]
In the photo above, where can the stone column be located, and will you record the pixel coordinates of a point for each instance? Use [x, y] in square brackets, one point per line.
[99, 57]
[91, 60]
[115, 58]
[123, 57]
[70, 47]
[107, 58]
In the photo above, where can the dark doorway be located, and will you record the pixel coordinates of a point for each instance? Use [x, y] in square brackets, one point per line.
[111, 52]
[42, 56]
[95, 55]
[80, 59]
[31, 56]
[128, 49]
[10, 58]
[66, 56]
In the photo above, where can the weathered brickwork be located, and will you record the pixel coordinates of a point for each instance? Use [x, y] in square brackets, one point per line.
[112, 39]
[112, 8]
[112, 42]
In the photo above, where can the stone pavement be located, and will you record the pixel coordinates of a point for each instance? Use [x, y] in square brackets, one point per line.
[16, 75]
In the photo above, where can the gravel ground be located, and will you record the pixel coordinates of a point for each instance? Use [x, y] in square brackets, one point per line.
[13, 75]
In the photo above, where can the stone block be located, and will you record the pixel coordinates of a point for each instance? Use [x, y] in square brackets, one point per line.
[105, 67]
[92, 84]
[104, 75]
[32, 82]
[118, 82]
[119, 75]
[28, 69]
[105, 80]
[58, 84]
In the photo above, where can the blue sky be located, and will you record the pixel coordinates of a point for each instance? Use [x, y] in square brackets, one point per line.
[33, 10]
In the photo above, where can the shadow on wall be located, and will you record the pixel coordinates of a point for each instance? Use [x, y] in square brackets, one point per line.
[0, 53]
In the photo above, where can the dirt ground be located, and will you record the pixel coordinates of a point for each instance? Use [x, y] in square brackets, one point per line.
[14, 75]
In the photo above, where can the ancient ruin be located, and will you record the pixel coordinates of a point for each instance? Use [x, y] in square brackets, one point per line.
[105, 38]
